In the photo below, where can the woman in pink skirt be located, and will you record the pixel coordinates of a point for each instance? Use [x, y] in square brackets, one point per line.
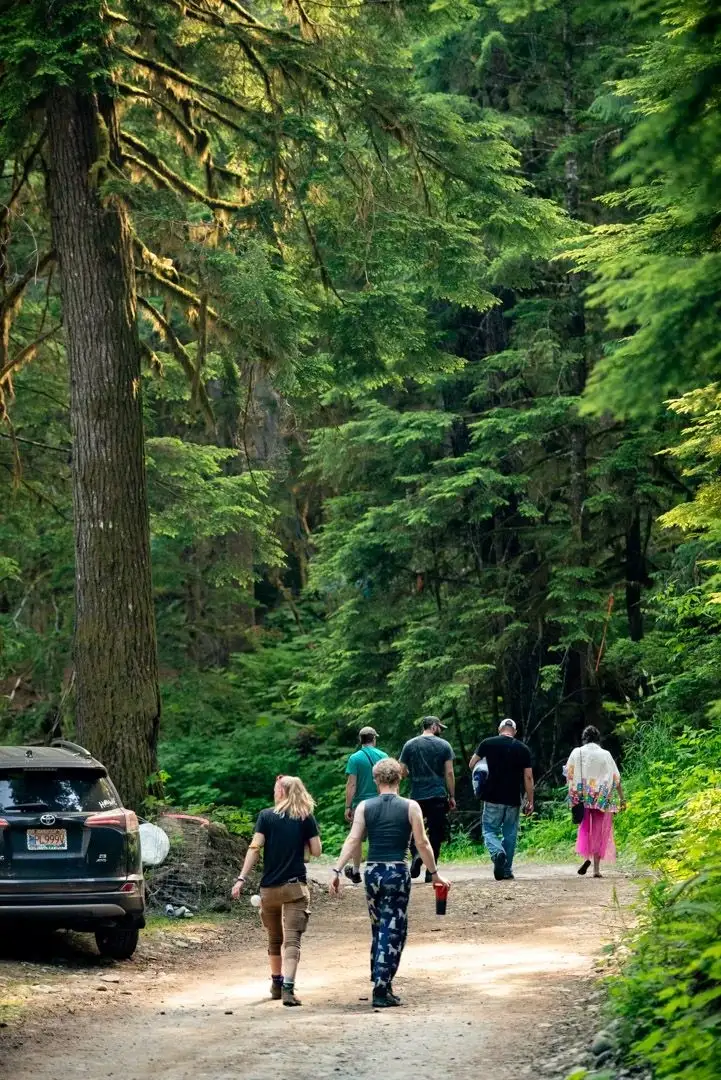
[595, 783]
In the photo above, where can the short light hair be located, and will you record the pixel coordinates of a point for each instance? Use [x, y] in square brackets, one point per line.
[388, 771]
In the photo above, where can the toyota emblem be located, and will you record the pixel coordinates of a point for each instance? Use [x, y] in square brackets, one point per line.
[47, 819]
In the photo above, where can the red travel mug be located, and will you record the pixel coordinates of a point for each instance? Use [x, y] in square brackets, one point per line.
[441, 892]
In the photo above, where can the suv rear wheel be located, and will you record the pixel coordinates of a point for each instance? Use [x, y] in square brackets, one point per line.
[117, 944]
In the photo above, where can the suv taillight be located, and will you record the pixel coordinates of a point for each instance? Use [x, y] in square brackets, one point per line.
[4, 824]
[126, 820]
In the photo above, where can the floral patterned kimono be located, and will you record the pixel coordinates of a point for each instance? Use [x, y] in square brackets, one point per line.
[594, 780]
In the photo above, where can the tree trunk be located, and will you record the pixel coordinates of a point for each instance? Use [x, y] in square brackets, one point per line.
[636, 576]
[578, 432]
[117, 700]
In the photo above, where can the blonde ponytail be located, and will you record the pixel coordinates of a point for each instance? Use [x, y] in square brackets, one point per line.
[296, 801]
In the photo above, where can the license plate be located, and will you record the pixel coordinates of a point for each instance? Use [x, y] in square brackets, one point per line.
[47, 840]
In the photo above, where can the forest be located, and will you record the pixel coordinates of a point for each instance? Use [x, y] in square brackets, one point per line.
[359, 360]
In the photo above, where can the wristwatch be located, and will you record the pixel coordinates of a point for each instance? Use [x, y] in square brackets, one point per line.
[337, 873]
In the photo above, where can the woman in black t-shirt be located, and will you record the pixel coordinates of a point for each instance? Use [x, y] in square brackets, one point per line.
[284, 832]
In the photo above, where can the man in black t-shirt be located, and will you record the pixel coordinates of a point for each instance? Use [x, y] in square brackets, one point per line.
[509, 770]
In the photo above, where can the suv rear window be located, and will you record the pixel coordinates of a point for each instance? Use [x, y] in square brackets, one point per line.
[58, 790]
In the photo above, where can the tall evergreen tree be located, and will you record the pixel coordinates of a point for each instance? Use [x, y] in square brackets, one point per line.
[657, 275]
[114, 653]
[527, 525]
[207, 144]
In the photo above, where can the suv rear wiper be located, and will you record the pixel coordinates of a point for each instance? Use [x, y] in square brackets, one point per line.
[27, 806]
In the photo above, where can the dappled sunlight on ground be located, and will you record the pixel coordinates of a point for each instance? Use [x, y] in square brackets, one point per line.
[486, 968]
[528, 947]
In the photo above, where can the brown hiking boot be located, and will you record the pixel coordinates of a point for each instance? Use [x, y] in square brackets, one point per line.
[276, 990]
[289, 997]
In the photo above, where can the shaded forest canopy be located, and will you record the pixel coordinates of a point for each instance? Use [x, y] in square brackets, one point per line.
[428, 305]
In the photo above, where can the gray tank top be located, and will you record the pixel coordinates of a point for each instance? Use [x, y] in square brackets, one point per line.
[388, 827]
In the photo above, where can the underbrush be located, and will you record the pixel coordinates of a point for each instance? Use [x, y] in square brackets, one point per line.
[669, 995]
[462, 847]
[550, 833]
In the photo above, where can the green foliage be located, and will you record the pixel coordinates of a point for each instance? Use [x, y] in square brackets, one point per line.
[658, 275]
[674, 798]
[476, 526]
[668, 995]
[195, 498]
[698, 450]
[384, 470]
[9, 569]
[462, 848]
[44, 45]
[671, 990]
[228, 734]
[551, 832]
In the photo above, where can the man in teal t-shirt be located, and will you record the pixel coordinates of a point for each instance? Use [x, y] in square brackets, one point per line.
[360, 784]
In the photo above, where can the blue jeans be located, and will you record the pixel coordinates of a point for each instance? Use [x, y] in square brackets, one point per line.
[501, 821]
[388, 890]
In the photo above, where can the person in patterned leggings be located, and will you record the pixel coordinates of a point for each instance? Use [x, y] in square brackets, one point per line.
[388, 889]
[388, 821]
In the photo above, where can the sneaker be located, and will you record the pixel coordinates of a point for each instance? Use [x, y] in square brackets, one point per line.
[383, 1000]
[429, 877]
[353, 875]
[276, 990]
[416, 866]
[499, 865]
[289, 997]
[583, 868]
[508, 876]
[392, 997]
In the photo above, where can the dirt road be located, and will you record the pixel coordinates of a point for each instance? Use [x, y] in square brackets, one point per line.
[487, 991]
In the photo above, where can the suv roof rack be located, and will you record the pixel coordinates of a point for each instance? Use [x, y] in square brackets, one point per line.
[64, 744]
[65, 756]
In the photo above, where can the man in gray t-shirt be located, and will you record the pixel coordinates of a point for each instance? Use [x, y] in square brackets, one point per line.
[428, 761]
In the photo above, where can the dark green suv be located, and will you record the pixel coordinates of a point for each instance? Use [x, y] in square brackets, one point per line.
[69, 851]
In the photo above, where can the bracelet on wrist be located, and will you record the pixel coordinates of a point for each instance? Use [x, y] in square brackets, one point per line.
[240, 878]
[337, 873]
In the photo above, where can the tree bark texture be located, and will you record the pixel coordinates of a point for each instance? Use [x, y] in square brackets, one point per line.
[117, 699]
[636, 576]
